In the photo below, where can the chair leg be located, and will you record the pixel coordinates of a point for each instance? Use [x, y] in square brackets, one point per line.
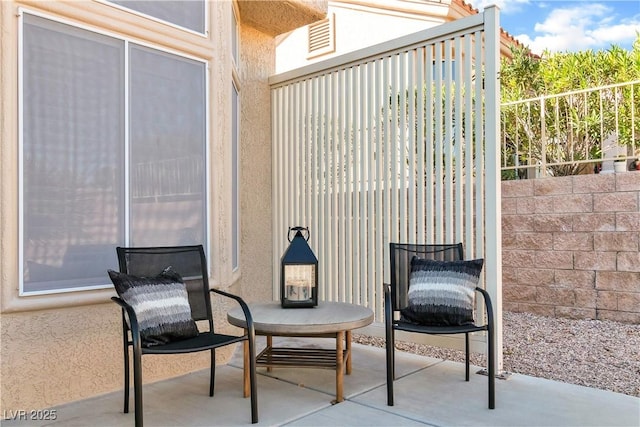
[212, 376]
[466, 355]
[137, 385]
[390, 365]
[491, 369]
[126, 378]
[252, 380]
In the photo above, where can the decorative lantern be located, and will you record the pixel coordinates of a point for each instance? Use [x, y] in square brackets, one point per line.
[299, 272]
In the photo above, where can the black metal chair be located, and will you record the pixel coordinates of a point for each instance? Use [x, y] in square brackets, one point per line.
[190, 263]
[396, 299]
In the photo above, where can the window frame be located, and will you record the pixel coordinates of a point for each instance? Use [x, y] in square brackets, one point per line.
[235, 184]
[162, 21]
[127, 41]
[236, 238]
[235, 36]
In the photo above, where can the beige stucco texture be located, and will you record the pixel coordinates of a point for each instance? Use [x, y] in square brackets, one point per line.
[65, 347]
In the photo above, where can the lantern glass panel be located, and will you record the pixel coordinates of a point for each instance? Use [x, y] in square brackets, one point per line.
[299, 281]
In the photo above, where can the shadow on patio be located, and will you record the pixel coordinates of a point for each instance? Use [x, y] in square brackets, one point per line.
[428, 392]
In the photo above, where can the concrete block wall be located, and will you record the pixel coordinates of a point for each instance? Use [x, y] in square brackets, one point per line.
[571, 246]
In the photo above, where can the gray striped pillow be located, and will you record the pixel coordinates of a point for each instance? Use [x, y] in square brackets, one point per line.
[161, 305]
[442, 293]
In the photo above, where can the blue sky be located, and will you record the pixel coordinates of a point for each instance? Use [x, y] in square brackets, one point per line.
[562, 26]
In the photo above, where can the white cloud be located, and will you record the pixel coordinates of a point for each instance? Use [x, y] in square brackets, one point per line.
[580, 28]
[506, 6]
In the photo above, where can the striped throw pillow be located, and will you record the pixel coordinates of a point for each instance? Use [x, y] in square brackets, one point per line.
[442, 293]
[161, 305]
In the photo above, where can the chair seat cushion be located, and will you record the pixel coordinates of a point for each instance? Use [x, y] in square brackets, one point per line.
[161, 304]
[442, 293]
[437, 329]
[204, 341]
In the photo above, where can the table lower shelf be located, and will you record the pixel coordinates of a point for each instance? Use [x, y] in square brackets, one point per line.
[299, 357]
[337, 359]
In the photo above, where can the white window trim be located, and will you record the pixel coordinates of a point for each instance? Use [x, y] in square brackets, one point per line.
[205, 34]
[236, 240]
[235, 54]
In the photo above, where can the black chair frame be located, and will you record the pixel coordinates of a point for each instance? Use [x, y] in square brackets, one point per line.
[395, 299]
[149, 261]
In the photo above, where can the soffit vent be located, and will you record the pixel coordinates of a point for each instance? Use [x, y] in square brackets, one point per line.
[322, 37]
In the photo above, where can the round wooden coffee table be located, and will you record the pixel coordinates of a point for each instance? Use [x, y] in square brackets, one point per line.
[328, 319]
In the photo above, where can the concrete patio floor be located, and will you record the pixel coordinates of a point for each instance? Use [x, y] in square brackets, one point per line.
[427, 392]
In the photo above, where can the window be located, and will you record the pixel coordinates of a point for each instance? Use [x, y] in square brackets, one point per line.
[235, 143]
[187, 14]
[113, 140]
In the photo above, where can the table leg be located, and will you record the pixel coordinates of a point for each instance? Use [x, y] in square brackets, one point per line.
[245, 364]
[348, 335]
[269, 346]
[339, 367]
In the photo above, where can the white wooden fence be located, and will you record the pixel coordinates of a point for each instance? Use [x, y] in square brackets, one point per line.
[394, 143]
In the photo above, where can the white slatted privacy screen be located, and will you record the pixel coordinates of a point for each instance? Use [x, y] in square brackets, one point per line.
[395, 143]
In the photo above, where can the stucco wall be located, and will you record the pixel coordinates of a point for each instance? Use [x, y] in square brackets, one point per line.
[65, 347]
[571, 246]
[255, 167]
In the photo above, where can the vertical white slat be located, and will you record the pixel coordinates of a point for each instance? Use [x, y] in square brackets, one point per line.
[276, 108]
[356, 187]
[420, 145]
[360, 141]
[385, 154]
[448, 145]
[411, 121]
[314, 120]
[469, 236]
[306, 161]
[362, 193]
[302, 154]
[478, 251]
[429, 145]
[320, 212]
[492, 191]
[370, 189]
[283, 176]
[378, 109]
[326, 212]
[293, 155]
[438, 151]
[393, 149]
[335, 174]
[349, 190]
[325, 216]
[460, 197]
[343, 96]
[296, 146]
[290, 157]
[402, 145]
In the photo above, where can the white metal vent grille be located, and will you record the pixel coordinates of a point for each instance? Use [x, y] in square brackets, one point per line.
[322, 37]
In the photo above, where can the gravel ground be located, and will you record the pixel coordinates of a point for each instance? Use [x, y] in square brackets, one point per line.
[592, 353]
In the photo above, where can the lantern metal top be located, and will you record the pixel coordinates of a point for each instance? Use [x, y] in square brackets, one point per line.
[298, 274]
[298, 250]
